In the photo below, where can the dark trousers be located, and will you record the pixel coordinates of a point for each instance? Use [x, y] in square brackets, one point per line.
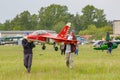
[62, 51]
[109, 50]
[28, 61]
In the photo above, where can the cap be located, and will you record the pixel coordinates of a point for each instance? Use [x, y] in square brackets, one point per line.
[26, 33]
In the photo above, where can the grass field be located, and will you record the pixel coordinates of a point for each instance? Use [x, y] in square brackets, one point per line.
[50, 65]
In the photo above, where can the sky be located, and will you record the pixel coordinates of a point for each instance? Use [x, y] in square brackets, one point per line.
[10, 8]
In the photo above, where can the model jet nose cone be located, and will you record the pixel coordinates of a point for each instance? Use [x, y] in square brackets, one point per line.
[68, 24]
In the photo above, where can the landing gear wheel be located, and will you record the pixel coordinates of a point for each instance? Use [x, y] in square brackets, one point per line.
[43, 47]
[56, 48]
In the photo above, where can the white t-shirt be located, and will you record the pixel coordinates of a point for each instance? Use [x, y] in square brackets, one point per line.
[68, 46]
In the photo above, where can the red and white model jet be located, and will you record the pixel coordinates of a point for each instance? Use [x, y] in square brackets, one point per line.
[44, 37]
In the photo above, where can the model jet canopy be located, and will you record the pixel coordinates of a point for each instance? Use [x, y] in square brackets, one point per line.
[39, 32]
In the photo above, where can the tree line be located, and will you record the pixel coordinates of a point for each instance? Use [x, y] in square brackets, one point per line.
[55, 16]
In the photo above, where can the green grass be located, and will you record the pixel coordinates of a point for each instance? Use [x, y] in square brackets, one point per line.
[50, 65]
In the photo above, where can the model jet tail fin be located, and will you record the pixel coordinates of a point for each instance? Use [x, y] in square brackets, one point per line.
[63, 33]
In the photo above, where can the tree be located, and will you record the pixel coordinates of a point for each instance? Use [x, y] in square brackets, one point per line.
[34, 21]
[25, 20]
[16, 22]
[92, 15]
[77, 23]
[88, 16]
[59, 26]
[7, 25]
[97, 33]
[100, 19]
[90, 30]
[1, 26]
[22, 21]
[51, 15]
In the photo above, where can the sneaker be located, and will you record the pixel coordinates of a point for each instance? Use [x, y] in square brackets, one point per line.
[67, 63]
[28, 70]
[70, 67]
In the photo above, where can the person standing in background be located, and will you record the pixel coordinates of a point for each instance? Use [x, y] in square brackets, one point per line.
[62, 48]
[77, 47]
[109, 44]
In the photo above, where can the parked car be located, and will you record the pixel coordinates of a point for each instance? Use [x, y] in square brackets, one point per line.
[82, 40]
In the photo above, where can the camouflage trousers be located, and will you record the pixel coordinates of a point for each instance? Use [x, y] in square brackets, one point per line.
[69, 59]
